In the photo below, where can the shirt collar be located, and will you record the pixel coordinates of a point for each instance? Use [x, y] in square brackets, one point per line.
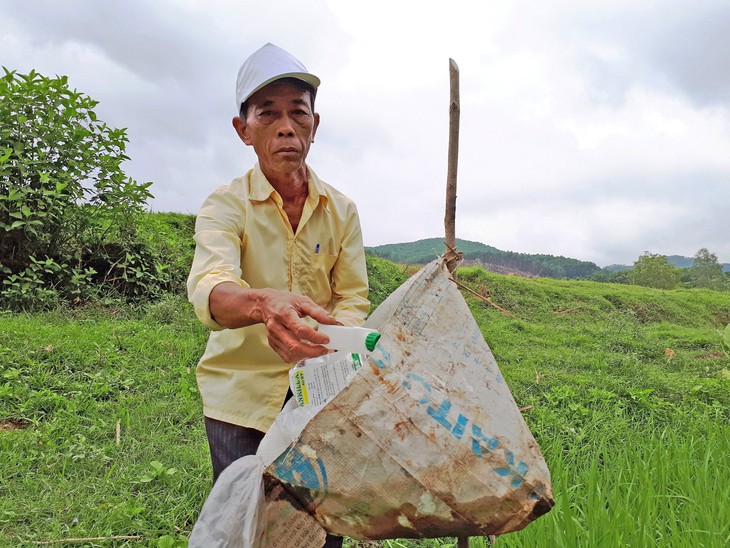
[261, 189]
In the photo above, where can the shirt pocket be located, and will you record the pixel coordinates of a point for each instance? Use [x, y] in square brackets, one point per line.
[319, 278]
[323, 263]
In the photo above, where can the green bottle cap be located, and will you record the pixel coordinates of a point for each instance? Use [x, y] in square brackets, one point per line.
[371, 339]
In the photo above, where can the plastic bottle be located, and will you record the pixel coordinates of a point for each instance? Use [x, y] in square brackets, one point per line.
[357, 340]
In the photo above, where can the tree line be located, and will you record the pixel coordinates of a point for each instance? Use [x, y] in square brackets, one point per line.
[655, 270]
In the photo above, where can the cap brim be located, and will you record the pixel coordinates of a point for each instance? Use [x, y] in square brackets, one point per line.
[310, 79]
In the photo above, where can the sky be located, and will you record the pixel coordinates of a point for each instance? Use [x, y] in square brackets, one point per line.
[597, 130]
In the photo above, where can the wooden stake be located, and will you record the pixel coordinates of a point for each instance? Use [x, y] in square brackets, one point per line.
[482, 297]
[452, 256]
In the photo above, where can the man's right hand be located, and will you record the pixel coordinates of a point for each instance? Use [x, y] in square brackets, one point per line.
[281, 312]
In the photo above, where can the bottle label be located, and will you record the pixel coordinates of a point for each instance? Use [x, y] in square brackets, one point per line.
[317, 381]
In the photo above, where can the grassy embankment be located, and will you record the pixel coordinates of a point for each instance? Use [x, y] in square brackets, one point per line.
[628, 389]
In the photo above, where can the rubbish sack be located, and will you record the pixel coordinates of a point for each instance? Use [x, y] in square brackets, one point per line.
[234, 514]
[288, 523]
[426, 441]
[287, 427]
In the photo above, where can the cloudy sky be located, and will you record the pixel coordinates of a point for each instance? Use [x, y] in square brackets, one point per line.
[590, 129]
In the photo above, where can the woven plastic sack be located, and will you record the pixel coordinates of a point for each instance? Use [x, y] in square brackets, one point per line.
[426, 441]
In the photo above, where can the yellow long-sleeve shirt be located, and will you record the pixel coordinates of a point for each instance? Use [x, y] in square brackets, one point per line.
[243, 235]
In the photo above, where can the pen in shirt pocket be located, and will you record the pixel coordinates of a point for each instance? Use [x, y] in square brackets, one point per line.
[316, 249]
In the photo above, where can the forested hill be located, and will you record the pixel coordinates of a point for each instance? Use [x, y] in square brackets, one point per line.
[491, 258]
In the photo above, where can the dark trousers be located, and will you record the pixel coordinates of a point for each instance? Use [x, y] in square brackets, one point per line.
[229, 442]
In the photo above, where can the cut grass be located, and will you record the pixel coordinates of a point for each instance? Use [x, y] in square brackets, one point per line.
[636, 438]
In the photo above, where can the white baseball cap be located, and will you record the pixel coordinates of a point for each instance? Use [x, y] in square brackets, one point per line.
[265, 65]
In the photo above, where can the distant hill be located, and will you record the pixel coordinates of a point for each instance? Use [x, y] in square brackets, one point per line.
[617, 267]
[491, 258]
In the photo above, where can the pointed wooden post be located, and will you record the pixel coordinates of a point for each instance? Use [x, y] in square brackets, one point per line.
[452, 256]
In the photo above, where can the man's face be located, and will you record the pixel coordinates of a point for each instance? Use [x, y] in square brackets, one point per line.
[280, 125]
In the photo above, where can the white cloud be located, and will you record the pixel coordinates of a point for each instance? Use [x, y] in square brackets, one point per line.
[585, 129]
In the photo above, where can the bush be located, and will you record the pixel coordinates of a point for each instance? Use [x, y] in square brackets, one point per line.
[68, 212]
[654, 270]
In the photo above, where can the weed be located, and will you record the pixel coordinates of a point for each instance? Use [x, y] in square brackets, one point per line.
[158, 473]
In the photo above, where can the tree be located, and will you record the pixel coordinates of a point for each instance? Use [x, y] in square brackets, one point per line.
[653, 270]
[706, 272]
[63, 194]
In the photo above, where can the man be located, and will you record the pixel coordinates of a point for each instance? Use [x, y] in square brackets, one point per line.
[276, 251]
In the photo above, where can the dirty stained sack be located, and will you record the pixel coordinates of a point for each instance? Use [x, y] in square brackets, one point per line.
[426, 440]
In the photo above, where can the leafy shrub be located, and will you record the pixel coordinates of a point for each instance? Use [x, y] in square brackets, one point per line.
[653, 270]
[169, 236]
[68, 212]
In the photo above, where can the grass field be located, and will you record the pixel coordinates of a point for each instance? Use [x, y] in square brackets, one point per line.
[626, 390]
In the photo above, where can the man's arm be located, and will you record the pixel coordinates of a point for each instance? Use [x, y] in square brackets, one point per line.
[349, 275]
[222, 299]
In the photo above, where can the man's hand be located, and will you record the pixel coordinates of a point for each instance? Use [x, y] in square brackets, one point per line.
[280, 311]
[288, 335]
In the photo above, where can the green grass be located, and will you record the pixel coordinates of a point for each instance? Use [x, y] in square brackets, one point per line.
[630, 405]
[636, 437]
[72, 377]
